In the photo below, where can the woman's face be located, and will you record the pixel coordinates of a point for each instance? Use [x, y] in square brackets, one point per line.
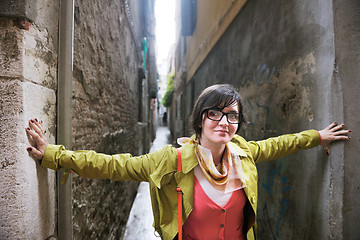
[215, 133]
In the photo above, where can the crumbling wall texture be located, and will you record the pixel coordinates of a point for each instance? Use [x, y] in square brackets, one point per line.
[282, 57]
[105, 113]
[28, 61]
[347, 55]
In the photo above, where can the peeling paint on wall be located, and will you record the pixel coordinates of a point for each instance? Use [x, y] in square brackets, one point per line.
[284, 91]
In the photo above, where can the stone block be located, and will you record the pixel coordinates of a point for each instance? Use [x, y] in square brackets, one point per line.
[11, 51]
[27, 190]
[27, 54]
[19, 9]
[39, 57]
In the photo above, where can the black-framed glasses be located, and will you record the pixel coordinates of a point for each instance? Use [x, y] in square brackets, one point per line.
[217, 115]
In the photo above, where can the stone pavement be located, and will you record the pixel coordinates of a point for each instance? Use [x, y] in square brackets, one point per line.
[139, 225]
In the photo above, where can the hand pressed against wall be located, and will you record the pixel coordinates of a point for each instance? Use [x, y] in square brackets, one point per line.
[37, 133]
[331, 133]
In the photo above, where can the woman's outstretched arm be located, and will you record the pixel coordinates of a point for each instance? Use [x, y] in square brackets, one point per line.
[277, 147]
[101, 166]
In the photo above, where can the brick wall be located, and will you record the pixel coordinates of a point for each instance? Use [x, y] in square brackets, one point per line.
[105, 113]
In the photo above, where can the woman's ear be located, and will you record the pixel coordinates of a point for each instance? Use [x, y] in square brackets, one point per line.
[201, 124]
[202, 120]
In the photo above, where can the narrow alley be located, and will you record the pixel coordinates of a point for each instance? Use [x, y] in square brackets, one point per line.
[100, 76]
[141, 219]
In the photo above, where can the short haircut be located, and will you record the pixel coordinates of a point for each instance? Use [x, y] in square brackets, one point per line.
[216, 96]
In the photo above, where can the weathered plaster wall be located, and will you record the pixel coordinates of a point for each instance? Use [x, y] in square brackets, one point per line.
[28, 58]
[105, 113]
[281, 55]
[347, 52]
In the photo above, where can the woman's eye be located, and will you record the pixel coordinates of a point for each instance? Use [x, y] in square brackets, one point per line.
[213, 113]
[233, 116]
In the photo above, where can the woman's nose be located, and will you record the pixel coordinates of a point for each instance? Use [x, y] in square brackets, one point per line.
[223, 120]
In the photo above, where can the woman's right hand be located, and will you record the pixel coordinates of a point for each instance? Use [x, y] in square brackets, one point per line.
[37, 133]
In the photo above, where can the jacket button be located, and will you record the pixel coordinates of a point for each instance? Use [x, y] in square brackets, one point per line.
[222, 225]
[253, 199]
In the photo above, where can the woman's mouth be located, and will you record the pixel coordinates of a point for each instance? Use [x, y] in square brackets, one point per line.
[222, 131]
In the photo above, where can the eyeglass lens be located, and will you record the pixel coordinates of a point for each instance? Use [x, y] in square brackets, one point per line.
[216, 115]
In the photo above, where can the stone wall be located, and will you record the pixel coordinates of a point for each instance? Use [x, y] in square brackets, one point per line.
[105, 113]
[28, 61]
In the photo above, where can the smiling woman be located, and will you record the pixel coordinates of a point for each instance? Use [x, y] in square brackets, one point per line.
[217, 132]
[218, 177]
[216, 97]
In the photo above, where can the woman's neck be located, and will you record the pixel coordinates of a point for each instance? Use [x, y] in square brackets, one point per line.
[217, 151]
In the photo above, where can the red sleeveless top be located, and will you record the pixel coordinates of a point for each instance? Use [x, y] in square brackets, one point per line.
[209, 221]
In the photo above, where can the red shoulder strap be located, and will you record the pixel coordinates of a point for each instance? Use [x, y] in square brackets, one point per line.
[178, 189]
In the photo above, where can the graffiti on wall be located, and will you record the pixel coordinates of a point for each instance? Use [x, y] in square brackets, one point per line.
[257, 114]
[276, 205]
[263, 74]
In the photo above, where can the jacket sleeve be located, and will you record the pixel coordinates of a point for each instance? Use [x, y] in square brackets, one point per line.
[101, 166]
[278, 147]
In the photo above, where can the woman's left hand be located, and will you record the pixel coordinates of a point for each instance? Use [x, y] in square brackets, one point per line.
[333, 132]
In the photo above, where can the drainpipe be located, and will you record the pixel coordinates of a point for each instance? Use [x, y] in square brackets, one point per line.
[64, 113]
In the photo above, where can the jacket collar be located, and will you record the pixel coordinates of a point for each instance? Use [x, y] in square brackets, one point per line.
[169, 166]
[236, 149]
[188, 158]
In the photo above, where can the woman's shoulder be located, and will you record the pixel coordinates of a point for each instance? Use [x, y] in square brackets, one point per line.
[164, 155]
[238, 140]
[163, 162]
[167, 149]
[241, 142]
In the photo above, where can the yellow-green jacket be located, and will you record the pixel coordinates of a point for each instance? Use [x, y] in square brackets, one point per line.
[159, 169]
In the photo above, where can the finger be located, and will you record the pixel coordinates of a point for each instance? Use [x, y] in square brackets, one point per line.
[341, 137]
[331, 125]
[34, 135]
[39, 124]
[33, 124]
[342, 132]
[36, 153]
[336, 128]
[31, 132]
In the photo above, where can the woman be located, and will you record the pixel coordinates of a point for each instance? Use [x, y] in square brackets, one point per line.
[218, 177]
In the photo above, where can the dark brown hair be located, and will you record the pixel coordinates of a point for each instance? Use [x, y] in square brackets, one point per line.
[216, 96]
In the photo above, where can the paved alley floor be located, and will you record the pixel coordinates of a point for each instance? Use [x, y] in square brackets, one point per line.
[139, 225]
